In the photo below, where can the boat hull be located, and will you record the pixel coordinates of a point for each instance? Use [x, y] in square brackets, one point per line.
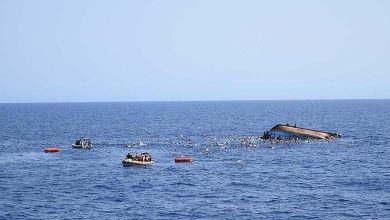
[130, 162]
[292, 132]
[80, 146]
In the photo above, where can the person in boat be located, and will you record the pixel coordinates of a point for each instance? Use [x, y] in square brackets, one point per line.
[129, 156]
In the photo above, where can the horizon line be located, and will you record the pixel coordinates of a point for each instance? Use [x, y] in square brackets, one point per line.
[216, 100]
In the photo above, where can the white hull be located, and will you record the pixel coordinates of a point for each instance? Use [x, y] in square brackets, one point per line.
[130, 162]
[81, 147]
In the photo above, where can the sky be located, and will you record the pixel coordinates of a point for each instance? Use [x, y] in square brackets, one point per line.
[174, 50]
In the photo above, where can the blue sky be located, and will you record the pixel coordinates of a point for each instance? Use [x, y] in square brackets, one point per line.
[58, 51]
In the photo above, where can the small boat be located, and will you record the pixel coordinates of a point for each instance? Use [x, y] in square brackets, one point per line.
[138, 159]
[84, 143]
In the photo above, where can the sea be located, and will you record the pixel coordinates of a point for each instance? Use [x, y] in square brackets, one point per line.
[234, 174]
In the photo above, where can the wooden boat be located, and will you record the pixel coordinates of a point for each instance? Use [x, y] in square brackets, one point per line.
[281, 131]
[141, 159]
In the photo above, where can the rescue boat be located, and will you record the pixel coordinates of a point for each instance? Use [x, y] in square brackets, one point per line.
[141, 159]
[84, 143]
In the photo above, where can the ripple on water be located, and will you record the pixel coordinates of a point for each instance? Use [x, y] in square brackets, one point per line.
[343, 179]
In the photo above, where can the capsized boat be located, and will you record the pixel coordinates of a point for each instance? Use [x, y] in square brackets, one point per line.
[84, 143]
[286, 131]
[137, 159]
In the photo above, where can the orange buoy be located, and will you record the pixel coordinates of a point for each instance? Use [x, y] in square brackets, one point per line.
[183, 160]
[52, 150]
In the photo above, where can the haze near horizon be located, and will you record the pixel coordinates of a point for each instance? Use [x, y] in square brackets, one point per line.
[65, 51]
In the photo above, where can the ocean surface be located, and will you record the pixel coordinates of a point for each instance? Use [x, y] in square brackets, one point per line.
[348, 178]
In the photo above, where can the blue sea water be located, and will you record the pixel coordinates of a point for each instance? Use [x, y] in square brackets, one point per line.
[348, 178]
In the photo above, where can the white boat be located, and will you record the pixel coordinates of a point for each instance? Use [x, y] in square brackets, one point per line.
[130, 162]
[142, 159]
[84, 143]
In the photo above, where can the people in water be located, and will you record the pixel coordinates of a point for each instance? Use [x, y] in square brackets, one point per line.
[140, 157]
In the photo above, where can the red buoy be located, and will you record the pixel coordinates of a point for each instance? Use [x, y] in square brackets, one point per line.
[52, 150]
[183, 160]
